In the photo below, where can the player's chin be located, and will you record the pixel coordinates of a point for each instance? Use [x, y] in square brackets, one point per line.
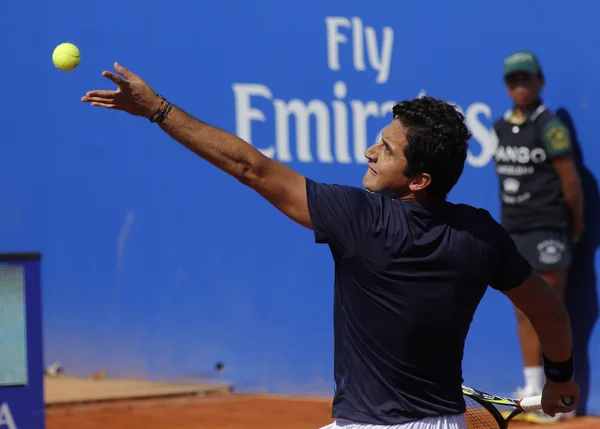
[369, 182]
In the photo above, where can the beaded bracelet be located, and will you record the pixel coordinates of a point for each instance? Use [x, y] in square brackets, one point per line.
[161, 114]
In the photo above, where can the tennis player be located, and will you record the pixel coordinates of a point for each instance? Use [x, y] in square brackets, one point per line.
[410, 266]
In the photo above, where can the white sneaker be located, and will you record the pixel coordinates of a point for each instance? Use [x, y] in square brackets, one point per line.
[522, 392]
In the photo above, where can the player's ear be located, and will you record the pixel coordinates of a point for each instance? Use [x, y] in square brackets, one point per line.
[420, 182]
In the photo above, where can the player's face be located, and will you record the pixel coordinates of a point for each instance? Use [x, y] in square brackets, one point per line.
[524, 88]
[387, 163]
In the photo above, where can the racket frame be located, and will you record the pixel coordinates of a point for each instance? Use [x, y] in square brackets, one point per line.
[486, 400]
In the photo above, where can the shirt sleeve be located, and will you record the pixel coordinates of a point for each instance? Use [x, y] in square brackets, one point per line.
[509, 268]
[556, 138]
[341, 215]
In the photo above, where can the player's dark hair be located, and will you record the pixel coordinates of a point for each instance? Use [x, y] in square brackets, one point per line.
[437, 142]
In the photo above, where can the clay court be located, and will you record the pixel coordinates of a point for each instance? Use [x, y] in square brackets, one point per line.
[119, 404]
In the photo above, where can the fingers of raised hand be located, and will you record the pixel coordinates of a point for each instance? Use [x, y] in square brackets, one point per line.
[100, 98]
[118, 80]
[107, 105]
[105, 94]
[125, 72]
[92, 99]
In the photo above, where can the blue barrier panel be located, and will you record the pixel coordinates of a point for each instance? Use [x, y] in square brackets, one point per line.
[21, 369]
[158, 265]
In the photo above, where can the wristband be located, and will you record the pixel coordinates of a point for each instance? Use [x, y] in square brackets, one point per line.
[558, 372]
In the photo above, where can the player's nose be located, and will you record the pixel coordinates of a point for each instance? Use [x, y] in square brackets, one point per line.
[371, 153]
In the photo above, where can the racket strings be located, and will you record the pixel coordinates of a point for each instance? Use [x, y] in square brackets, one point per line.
[478, 417]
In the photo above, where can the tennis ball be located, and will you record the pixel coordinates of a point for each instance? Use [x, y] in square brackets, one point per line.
[66, 56]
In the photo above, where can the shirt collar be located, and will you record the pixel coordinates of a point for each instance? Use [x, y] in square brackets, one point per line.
[530, 117]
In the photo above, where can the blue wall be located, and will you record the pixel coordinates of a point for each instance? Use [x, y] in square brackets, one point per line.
[158, 265]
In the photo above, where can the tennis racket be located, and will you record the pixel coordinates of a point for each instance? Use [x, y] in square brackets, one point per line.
[482, 411]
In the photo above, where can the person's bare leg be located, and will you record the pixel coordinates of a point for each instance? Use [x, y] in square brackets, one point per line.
[530, 345]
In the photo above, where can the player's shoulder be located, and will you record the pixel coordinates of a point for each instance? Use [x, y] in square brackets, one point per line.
[330, 192]
[477, 221]
[312, 183]
[467, 209]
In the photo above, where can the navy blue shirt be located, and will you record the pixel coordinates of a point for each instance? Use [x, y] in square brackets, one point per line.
[407, 283]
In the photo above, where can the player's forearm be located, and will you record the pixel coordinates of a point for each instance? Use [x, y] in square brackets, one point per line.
[552, 325]
[222, 149]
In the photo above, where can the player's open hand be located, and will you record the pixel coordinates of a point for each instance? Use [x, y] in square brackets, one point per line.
[552, 394]
[132, 95]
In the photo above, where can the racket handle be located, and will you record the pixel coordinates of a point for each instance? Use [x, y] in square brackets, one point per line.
[531, 403]
[534, 403]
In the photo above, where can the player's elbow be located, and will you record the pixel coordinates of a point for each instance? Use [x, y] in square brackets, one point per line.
[250, 171]
[246, 173]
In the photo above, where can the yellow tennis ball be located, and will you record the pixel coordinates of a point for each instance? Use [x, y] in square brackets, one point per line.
[66, 56]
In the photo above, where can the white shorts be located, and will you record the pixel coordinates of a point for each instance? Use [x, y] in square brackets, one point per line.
[444, 422]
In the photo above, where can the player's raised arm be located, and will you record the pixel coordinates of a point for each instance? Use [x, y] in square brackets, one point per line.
[277, 183]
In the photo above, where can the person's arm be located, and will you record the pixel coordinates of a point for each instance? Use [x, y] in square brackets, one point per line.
[338, 215]
[277, 183]
[557, 141]
[571, 186]
[549, 317]
[512, 275]
[547, 314]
